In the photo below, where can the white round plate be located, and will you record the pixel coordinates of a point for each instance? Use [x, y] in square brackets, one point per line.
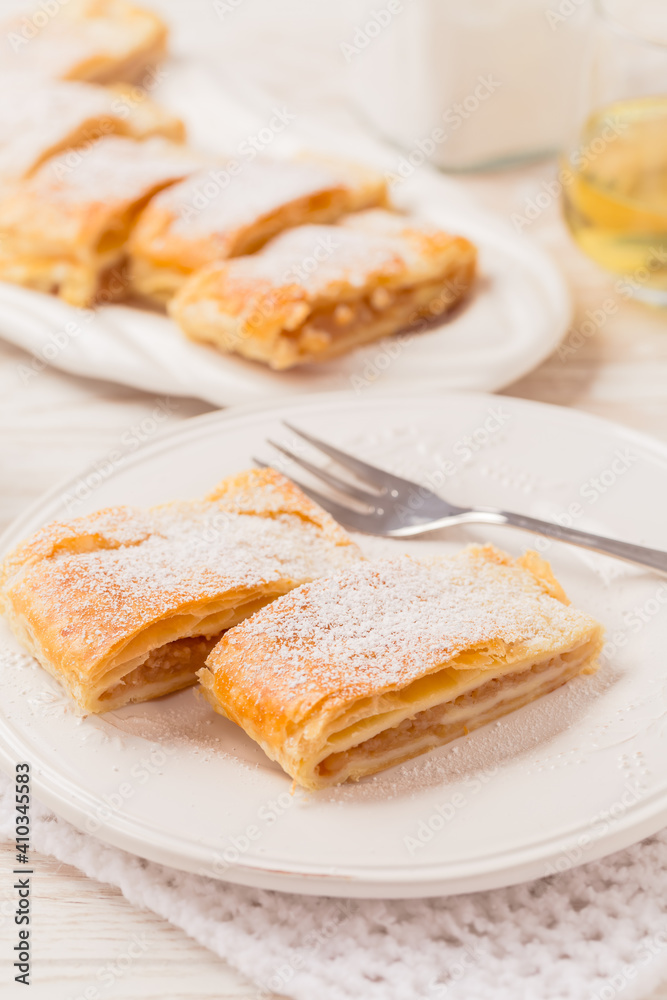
[517, 314]
[575, 776]
[515, 317]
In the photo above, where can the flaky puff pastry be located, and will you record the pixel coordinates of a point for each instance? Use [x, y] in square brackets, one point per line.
[349, 675]
[316, 292]
[102, 41]
[66, 227]
[234, 209]
[124, 605]
[39, 120]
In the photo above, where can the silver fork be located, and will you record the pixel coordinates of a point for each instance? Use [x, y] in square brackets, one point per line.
[397, 508]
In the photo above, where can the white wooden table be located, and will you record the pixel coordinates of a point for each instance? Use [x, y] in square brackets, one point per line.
[54, 424]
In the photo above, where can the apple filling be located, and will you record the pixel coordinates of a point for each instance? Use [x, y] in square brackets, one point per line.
[163, 667]
[332, 329]
[444, 722]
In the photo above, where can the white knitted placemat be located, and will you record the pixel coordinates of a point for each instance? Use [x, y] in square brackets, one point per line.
[591, 933]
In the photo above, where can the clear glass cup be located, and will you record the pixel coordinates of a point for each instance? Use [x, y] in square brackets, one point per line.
[615, 195]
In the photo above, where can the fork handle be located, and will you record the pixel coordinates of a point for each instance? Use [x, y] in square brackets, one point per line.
[655, 558]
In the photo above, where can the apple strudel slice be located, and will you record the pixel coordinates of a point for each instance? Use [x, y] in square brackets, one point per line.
[125, 604]
[316, 292]
[65, 228]
[103, 41]
[235, 209]
[349, 675]
[63, 115]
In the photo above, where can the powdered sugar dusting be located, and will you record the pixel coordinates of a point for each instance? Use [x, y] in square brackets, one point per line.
[65, 41]
[379, 626]
[316, 257]
[49, 56]
[45, 115]
[204, 205]
[133, 567]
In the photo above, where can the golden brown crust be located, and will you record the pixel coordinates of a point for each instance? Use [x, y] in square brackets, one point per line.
[381, 643]
[268, 493]
[140, 116]
[317, 291]
[227, 212]
[65, 115]
[92, 596]
[65, 228]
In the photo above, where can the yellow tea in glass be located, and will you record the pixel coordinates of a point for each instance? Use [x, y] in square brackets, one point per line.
[615, 194]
